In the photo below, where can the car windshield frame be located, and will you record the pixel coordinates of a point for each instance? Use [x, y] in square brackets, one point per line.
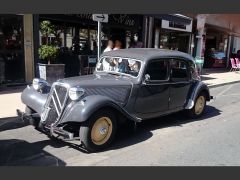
[120, 73]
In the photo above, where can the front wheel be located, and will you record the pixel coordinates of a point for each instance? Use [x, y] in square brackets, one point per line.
[98, 131]
[198, 107]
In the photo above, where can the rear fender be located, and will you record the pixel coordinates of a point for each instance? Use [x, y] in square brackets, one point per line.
[196, 90]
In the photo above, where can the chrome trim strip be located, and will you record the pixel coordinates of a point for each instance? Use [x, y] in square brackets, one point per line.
[60, 105]
[54, 102]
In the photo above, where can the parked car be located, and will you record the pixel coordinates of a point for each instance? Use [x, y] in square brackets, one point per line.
[219, 59]
[127, 85]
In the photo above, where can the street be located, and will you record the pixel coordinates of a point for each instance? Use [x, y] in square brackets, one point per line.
[212, 140]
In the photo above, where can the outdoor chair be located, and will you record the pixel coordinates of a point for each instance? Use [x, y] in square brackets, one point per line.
[237, 62]
[233, 65]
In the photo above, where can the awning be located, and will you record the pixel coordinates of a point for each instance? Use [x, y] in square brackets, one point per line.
[177, 18]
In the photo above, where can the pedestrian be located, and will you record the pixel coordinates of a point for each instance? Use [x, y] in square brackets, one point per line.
[109, 46]
[118, 45]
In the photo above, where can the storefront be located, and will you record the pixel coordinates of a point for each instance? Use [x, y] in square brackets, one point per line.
[78, 36]
[12, 63]
[172, 35]
[215, 47]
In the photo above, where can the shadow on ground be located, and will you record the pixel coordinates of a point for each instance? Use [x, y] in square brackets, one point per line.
[9, 90]
[20, 152]
[127, 137]
[15, 152]
[11, 123]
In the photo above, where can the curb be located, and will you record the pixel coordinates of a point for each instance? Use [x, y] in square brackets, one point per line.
[223, 84]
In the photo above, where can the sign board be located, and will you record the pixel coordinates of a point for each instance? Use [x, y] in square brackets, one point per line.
[100, 17]
[92, 60]
[178, 27]
[199, 60]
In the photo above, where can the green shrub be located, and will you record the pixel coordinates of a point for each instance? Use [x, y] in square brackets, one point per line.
[48, 52]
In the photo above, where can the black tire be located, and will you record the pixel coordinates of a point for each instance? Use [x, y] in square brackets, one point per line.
[194, 113]
[86, 129]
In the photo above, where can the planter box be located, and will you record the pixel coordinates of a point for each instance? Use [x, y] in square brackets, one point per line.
[51, 72]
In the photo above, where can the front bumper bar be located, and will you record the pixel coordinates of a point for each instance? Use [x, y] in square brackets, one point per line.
[34, 119]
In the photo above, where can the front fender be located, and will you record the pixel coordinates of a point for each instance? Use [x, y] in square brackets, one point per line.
[198, 87]
[35, 100]
[82, 110]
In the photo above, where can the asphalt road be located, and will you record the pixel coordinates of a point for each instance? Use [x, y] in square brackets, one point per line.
[213, 140]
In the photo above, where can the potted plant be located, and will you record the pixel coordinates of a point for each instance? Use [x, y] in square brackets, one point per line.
[48, 51]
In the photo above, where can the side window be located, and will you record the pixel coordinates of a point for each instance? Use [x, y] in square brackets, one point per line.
[158, 70]
[194, 71]
[179, 70]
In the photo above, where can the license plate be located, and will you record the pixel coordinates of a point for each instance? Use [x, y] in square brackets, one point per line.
[45, 114]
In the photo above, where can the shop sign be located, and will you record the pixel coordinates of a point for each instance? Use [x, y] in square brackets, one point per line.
[92, 60]
[129, 20]
[175, 26]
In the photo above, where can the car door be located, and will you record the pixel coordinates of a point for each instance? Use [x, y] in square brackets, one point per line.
[153, 94]
[180, 83]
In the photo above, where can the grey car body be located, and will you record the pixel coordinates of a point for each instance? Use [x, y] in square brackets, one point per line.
[132, 97]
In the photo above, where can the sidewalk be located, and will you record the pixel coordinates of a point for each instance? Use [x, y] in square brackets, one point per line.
[219, 77]
[10, 99]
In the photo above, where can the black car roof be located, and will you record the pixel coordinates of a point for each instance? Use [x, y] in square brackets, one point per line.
[145, 54]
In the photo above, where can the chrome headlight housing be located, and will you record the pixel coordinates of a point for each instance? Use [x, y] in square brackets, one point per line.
[75, 93]
[38, 84]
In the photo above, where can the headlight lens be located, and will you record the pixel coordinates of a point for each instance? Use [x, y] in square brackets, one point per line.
[38, 83]
[75, 93]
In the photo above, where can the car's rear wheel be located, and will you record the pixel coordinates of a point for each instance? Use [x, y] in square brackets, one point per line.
[98, 131]
[199, 106]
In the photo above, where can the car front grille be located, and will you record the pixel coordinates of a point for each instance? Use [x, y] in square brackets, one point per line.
[57, 100]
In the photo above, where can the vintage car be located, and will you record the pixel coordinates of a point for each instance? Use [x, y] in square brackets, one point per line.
[127, 85]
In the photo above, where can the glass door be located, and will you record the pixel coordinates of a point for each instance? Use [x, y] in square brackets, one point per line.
[12, 65]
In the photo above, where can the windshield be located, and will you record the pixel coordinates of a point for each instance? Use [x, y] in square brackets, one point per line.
[119, 65]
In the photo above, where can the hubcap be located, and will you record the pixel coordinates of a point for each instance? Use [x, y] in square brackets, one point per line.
[101, 131]
[199, 106]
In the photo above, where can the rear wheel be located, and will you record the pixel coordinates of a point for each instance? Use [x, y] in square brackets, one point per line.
[198, 107]
[98, 131]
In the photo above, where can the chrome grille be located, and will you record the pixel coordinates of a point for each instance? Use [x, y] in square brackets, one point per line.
[55, 104]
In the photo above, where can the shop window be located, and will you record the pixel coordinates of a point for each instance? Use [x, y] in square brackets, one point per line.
[12, 66]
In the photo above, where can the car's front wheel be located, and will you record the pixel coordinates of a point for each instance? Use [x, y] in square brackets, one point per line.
[198, 107]
[98, 131]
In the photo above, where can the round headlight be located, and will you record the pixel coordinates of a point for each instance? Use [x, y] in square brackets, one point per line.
[75, 93]
[38, 83]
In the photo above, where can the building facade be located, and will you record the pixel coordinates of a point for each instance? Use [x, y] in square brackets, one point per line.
[20, 38]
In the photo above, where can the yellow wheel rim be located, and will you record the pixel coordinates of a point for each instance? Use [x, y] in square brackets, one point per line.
[199, 106]
[101, 131]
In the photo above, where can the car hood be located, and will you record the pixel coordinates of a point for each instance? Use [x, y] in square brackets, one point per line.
[97, 80]
[115, 87]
